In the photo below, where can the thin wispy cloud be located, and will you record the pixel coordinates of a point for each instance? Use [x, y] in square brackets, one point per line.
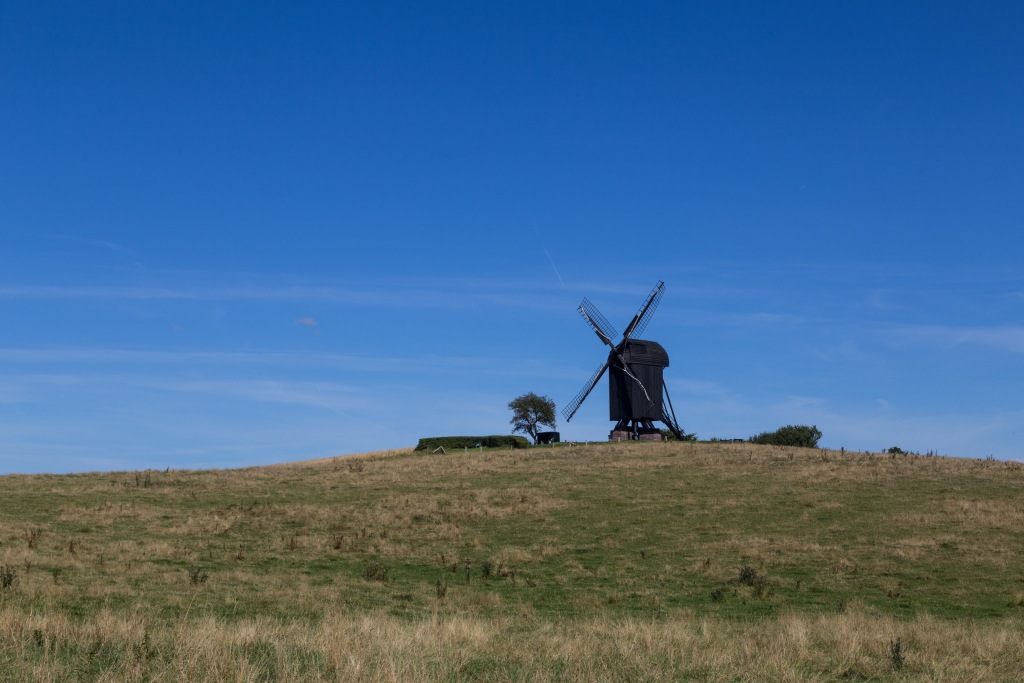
[844, 352]
[439, 292]
[125, 253]
[419, 296]
[309, 323]
[331, 396]
[552, 262]
[1003, 337]
[516, 366]
[101, 244]
[416, 297]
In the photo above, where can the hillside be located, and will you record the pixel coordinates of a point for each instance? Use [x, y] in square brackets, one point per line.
[610, 561]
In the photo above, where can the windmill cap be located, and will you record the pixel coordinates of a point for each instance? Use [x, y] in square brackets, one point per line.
[643, 352]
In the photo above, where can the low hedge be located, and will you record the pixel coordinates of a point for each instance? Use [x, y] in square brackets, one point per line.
[790, 435]
[452, 442]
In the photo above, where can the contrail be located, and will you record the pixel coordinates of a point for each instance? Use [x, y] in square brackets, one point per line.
[552, 262]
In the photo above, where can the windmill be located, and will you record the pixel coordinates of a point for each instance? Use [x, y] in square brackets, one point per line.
[637, 395]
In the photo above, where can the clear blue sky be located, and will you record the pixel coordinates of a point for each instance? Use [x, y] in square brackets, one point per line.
[241, 233]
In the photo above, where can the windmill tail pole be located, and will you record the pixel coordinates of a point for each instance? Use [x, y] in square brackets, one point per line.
[668, 416]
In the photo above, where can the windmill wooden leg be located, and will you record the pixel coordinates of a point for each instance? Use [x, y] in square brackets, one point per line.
[635, 430]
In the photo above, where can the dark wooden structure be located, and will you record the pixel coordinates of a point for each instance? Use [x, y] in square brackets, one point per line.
[637, 396]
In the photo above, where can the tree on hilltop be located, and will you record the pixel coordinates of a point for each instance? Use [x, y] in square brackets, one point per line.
[529, 411]
[790, 435]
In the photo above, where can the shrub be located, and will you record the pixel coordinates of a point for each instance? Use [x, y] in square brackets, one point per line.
[376, 571]
[790, 435]
[896, 655]
[748, 575]
[196, 576]
[8, 577]
[431, 444]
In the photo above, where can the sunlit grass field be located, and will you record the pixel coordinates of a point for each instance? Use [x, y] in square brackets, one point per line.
[640, 561]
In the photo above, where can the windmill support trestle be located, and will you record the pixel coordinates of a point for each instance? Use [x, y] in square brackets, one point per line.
[635, 430]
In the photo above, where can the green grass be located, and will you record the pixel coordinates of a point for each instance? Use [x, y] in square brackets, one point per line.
[640, 531]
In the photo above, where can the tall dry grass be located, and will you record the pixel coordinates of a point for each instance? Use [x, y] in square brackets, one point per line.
[855, 645]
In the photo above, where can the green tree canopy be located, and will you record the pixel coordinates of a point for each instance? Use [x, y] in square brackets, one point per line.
[529, 411]
[790, 435]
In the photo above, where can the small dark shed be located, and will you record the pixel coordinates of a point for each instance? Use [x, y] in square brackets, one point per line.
[548, 437]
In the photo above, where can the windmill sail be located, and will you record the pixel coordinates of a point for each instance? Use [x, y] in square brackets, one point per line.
[570, 410]
[646, 312]
[602, 327]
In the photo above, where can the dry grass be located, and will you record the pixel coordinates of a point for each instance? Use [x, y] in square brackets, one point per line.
[601, 562]
[855, 645]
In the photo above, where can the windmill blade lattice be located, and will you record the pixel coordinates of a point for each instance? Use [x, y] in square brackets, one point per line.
[569, 410]
[646, 312]
[605, 330]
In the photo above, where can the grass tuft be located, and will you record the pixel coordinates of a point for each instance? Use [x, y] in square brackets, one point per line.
[376, 571]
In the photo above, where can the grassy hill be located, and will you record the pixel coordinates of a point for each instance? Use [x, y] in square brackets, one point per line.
[638, 561]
